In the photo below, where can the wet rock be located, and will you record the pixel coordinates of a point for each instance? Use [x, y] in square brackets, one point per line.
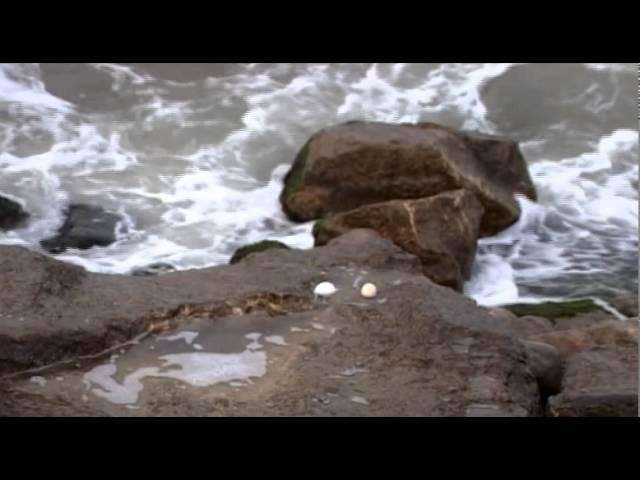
[12, 215]
[242, 252]
[153, 269]
[555, 310]
[602, 382]
[85, 227]
[502, 160]
[359, 163]
[427, 350]
[440, 230]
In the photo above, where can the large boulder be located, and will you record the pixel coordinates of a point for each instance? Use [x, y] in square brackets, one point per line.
[440, 230]
[85, 227]
[11, 214]
[602, 382]
[359, 163]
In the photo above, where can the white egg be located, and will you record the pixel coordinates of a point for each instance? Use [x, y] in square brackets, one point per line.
[368, 290]
[324, 289]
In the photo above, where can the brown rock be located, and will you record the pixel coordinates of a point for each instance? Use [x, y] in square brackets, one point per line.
[613, 333]
[546, 365]
[627, 304]
[602, 382]
[530, 326]
[440, 230]
[358, 163]
[503, 162]
[499, 157]
[522, 327]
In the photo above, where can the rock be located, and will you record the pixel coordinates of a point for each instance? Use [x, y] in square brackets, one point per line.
[242, 252]
[359, 163]
[85, 227]
[529, 326]
[546, 364]
[153, 269]
[12, 214]
[417, 349]
[554, 310]
[602, 382]
[501, 313]
[502, 160]
[440, 230]
[522, 327]
[627, 304]
[20, 404]
[583, 320]
[610, 333]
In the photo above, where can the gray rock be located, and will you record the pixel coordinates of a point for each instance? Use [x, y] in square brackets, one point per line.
[12, 214]
[85, 227]
[427, 350]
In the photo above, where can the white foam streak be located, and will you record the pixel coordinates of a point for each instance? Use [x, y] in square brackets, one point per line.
[196, 167]
[32, 95]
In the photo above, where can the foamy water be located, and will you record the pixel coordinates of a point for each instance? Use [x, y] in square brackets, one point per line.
[193, 156]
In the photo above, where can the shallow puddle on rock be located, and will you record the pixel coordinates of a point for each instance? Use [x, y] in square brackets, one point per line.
[231, 351]
[38, 380]
[187, 336]
[197, 369]
[276, 340]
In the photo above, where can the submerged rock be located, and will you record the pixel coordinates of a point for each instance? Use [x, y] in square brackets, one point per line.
[261, 246]
[85, 227]
[12, 215]
[153, 269]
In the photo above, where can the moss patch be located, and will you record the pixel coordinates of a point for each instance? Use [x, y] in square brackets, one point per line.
[554, 310]
[256, 247]
[294, 179]
[317, 226]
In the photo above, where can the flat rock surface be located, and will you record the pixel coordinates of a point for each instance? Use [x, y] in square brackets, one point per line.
[250, 339]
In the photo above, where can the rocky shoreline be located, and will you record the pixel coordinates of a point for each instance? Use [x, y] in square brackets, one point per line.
[400, 206]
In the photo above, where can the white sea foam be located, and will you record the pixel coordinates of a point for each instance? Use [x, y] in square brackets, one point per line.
[195, 166]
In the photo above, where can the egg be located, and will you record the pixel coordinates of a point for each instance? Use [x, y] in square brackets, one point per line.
[368, 290]
[324, 289]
